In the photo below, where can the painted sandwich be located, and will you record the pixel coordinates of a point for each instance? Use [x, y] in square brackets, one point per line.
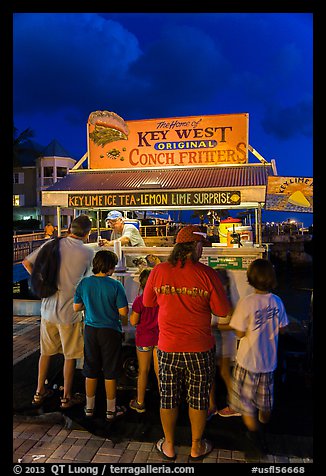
[107, 127]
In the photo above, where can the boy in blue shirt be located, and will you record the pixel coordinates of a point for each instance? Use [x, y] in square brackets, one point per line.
[105, 303]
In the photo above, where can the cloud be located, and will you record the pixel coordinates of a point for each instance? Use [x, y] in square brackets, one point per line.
[288, 122]
[86, 59]
[62, 59]
[179, 70]
[288, 59]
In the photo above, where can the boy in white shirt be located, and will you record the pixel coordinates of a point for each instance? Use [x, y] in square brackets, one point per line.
[257, 320]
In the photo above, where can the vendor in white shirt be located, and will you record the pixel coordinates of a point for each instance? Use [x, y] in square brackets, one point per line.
[126, 233]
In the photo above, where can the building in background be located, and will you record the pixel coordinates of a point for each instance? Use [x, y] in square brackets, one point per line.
[39, 168]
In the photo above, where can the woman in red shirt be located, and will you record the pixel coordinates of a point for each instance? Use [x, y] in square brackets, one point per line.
[187, 293]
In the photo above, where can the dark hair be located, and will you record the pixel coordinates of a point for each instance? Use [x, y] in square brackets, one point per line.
[81, 225]
[181, 251]
[104, 261]
[143, 277]
[261, 275]
[46, 268]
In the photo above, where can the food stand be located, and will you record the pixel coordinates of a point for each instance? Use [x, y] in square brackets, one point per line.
[180, 163]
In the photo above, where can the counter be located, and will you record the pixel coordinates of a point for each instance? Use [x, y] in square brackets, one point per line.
[234, 260]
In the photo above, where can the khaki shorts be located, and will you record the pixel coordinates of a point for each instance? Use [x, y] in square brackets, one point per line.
[66, 339]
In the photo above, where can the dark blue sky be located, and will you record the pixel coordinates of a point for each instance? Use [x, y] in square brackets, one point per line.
[148, 65]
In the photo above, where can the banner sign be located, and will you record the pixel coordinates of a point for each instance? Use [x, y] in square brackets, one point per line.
[289, 194]
[146, 199]
[192, 141]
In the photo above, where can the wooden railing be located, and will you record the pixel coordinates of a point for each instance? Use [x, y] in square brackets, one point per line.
[23, 245]
[153, 230]
[22, 249]
[28, 237]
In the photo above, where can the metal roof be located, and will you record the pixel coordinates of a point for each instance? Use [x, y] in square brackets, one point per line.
[55, 149]
[249, 175]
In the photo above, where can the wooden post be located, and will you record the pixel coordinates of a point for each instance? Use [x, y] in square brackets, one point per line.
[59, 220]
[259, 224]
[256, 225]
[98, 224]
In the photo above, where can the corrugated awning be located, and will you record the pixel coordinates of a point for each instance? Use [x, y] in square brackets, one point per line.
[234, 186]
[165, 179]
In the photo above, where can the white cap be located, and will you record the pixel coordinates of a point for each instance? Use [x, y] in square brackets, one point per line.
[114, 215]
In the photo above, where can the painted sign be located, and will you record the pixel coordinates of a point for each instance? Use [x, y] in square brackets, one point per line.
[226, 262]
[157, 199]
[289, 194]
[192, 141]
[230, 262]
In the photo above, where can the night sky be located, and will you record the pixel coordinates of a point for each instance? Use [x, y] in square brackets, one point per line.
[160, 65]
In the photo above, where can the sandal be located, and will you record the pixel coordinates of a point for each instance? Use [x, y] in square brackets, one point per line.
[76, 399]
[38, 398]
[119, 412]
[89, 412]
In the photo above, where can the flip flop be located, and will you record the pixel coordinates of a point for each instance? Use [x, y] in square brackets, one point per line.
[159, 449]
[208, 448]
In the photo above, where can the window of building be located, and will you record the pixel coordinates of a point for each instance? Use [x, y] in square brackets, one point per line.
[61, 172]
[18, 177]
[18, 200]
[48, 172]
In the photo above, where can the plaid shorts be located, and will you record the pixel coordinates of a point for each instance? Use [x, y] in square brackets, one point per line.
[193, 371]
[251, 391]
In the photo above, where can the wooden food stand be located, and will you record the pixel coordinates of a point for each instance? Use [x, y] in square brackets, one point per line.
[179, 163]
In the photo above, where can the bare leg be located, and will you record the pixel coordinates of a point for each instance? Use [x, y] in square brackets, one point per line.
[212, 402]
[43, 367]
[225, 372]
[255, 434]
[90, 386]
[264, 417]
[251, 422]
[110, 389]
[144, 365]
[68, 375]
[155, 361]
[90, 389]
[198, 423]
[169, 418]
